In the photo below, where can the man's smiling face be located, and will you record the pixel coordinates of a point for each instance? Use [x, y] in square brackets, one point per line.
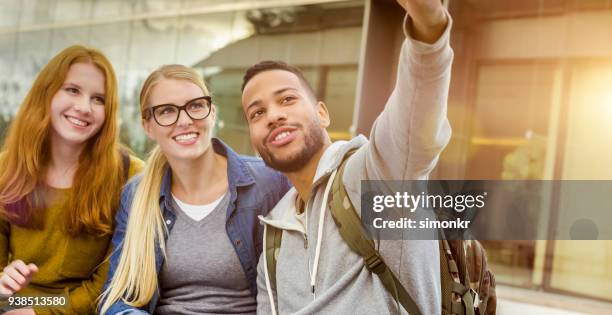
[286, 123]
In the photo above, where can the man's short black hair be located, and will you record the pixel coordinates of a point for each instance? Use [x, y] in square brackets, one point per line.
[269, 65]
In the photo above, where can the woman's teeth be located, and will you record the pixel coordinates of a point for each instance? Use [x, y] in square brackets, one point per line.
[77, 122]
[281, 135]
[185, 137]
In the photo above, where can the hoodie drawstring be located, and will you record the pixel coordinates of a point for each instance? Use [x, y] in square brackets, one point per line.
[315, 267]
[266, 275]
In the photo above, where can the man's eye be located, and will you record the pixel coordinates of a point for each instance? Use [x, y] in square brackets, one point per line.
[256, 113]
[287, 99]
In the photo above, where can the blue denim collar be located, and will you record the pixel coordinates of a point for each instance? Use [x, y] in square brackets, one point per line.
[238, 174]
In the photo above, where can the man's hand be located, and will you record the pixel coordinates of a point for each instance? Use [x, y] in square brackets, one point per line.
[428, 19]
[16, 276]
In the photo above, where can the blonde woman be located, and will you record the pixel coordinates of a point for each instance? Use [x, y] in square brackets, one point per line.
[61, 173]
[188, 239]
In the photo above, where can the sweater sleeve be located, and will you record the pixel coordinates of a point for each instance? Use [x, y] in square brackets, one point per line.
[405, 143]
[408, 136]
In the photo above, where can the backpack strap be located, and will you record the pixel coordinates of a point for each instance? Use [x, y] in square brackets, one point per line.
[458, 298]
[272, 243]
[354, 234]
[125, 160]
[273, 237]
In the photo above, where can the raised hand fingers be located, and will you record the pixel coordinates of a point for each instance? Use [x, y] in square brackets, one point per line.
[16, 276]
[22, 268]
[8, 286]
[33, 269]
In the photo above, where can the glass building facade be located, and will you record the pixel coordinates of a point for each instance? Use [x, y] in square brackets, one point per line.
[218, 38]
[530, 94]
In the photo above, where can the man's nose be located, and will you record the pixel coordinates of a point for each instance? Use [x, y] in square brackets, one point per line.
[276, 115]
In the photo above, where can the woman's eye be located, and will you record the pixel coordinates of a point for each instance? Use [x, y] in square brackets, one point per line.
[72, 90]
[196, 106]
[98, 100]
[167, 110]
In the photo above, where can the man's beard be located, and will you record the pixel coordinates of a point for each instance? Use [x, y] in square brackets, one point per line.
[313, 142]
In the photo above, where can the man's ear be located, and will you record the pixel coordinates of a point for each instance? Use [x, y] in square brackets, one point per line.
[146, 126]
[323, 114]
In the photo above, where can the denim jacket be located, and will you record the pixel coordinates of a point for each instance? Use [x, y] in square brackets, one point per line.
[254, 190]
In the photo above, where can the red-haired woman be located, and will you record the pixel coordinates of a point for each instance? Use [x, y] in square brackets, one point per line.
[61, 173]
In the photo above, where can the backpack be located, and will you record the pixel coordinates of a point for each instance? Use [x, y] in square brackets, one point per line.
[468, 285]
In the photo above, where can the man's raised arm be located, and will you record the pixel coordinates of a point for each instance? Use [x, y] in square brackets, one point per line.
[408, 136]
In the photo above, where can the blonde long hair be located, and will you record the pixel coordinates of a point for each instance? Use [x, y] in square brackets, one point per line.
[135, 279]
[25, 154]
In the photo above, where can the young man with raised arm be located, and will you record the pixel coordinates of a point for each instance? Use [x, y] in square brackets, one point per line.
[316, 271]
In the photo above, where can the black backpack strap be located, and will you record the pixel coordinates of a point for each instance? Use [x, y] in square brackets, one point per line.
[354, 234]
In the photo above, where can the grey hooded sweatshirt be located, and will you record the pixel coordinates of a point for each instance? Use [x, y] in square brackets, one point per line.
[317, 273]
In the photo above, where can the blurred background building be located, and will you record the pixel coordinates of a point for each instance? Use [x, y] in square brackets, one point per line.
[531, 92]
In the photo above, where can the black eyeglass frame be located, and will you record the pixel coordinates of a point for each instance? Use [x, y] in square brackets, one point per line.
[150, 112]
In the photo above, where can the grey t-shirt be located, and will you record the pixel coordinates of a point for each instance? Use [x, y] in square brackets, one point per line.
[202, 273]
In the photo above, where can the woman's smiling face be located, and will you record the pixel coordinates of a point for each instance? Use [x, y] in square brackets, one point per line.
[77, 108]
[187, 138]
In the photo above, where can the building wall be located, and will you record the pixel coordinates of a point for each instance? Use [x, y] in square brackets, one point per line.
[536, 84]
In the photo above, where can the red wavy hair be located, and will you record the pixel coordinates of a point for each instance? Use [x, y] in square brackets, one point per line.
[25, 154]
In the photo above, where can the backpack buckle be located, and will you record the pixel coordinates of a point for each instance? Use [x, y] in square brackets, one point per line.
[375, 264]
